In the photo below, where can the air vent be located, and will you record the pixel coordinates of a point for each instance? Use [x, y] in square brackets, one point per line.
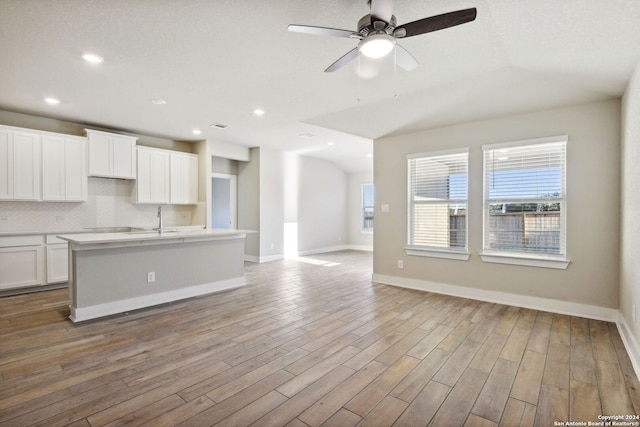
[219, 126]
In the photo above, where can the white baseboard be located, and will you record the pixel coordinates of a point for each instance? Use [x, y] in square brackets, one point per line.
[360, 248]
[253, 258]
[536, 303]
[323, 250]
[630, 343]
[271, 258]
[79, 314]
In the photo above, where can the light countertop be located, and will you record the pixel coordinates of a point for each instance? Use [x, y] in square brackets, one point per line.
[87, 230]
[149, 237]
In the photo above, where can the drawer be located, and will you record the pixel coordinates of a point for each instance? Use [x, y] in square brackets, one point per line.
[14, 241]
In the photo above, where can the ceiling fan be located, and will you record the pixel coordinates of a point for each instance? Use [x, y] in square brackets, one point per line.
[378, 32]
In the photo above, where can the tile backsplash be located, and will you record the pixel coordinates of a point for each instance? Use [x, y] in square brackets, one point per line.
[110, 204]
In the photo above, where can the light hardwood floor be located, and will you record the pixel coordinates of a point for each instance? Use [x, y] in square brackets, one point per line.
[309, 343]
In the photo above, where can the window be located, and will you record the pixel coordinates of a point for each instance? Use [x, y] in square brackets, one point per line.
[437, 205]
[367, 208]
[524, 198]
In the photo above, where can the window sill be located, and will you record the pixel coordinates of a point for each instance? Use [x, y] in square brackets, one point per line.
[434, 253]
[526, 260]
[366, 231]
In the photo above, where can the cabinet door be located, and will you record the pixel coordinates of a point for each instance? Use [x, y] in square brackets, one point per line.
[27, 166]
[192, 179]
[75, 170]
[124, 157]
[184, 178]
[178, 165]
[143, 182]
[53, 168]
[6, 163]
[152, 184]
[160, 177]
[21, 267]
[57, 263]
[99, 155]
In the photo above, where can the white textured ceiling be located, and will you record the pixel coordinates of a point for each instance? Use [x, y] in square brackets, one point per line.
[216, 60]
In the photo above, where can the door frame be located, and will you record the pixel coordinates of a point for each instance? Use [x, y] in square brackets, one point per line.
[233, 183]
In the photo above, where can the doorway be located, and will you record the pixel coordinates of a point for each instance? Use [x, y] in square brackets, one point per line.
[223, 201]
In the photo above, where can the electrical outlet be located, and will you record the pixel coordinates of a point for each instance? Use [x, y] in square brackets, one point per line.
[339, 238]
[400, 263]
[151, 277]
[273, 246]
[60, 218]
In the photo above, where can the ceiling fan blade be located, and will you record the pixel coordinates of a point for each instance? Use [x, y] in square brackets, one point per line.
[344, 60]
[321, 31]
[404, 59]
[381, 10]
[435, 23]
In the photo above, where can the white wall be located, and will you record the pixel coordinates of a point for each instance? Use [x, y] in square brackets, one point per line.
[356, 238]
[593, 200]
[630, 211]
[322, 205]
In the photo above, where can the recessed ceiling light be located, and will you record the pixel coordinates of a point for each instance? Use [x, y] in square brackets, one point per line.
[52, 101]
[158, 101]
[196, 131]
[331, 143]
[92, 58]
[258, 112]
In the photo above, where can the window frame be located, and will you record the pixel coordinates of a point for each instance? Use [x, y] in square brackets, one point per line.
[526, 258]
[462, 254]
[364, 230]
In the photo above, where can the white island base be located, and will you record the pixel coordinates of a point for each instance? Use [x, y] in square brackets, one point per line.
[109, 272]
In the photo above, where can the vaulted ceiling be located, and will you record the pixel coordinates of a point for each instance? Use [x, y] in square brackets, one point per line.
[215, 61]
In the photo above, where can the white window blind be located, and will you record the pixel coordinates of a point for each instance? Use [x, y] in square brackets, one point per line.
[524, 197]
[437, 207]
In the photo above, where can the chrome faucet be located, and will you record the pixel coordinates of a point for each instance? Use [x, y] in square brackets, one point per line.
[160, 227]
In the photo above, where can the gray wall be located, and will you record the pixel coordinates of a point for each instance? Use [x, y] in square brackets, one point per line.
[249, 201]
[271, 203]
[222, 165]
[593, 200]
[630, 228]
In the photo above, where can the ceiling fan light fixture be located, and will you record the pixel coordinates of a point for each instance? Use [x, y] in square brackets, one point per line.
[377, 45]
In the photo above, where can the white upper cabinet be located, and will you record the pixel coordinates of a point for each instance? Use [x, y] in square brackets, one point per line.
[152, 184]
[64, 168]
[166, 177]
[184, 178]
[111, 155]
[20, 164]
[6, 163]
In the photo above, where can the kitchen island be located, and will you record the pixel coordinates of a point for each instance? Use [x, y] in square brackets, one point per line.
[112, 273]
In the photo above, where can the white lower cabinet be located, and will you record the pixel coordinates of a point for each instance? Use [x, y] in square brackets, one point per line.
[22, 262]
[57, 260]
[32, 260]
